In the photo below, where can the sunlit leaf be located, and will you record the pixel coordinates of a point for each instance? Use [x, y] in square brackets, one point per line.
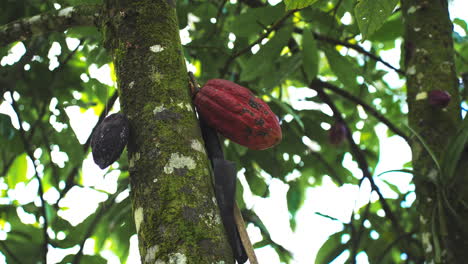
[370, 14]
[298, 4]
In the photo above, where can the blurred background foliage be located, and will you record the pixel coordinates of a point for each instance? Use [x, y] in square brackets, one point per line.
[276, 51]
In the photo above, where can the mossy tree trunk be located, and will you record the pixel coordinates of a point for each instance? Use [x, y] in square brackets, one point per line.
[430, 66]
[175, 211]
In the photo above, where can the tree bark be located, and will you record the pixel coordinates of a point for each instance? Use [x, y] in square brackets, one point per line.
[430, 66]
[175, 211]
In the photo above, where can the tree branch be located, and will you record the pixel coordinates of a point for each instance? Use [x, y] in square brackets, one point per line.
[267, 32]
[358, 49]
[30, 154]
[53, 21]
[356, 152]
[366, 107]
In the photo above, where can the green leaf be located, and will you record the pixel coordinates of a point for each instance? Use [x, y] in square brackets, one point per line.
[371, 14]
[331, 249]
[259, 63]
[310, 57]
[17, 172]
[7, 130]
[256, 183]
[288, 109]
[298, 4]
[295, 198]
[462, 24]
[85, 259]
[342, 67]
[454, 151]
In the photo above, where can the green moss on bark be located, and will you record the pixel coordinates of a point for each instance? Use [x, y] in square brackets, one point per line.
[173, 201]
[430, 66]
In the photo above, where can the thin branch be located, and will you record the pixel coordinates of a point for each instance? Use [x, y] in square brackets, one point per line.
[52, 21]
[357, 153]
[276, 25]
[366, 107]
[358, 49]
[30, 154]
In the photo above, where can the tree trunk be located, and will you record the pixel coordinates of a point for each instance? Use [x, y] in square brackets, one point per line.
[430, 66]
[175, 211]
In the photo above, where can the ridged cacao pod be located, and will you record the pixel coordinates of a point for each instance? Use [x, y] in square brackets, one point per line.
[109, 139]
[237, 114]
[439, 98]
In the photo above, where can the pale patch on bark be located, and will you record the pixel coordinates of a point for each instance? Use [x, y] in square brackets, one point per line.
[159, 109]
[426, 241]
[187, 106]
[197, 145]
[177, 258]
[134, 159]
[34, 19]
[422, 220]
[178, 162]
[66, 12]
[412, 9]
[432, 175]
[411, 70]
[138, 218]
[421, 96]
[131, 84]
[211, 219]
[156, 48]
[151, 254]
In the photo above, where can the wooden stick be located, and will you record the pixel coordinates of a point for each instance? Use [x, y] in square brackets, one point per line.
[243, 235]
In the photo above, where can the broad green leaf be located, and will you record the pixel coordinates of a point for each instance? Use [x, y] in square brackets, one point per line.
[454, 151]
[254, 20]
[371, 14]
[331, 249]
[261, 62]
[96, 259]
[296, 197]
[462, 23]
[310, 58]
[288, 109]
[17, 172]
[256, 183]
[298, 4]
[285, 67]
[7, 130]
[344, 69]
[389, 31]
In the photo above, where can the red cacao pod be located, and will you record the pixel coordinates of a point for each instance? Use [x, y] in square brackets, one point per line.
[237, 114]
[439, 98]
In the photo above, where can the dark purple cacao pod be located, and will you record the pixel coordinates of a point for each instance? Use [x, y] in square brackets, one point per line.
[439, 98]
[109, 139]
[337, 133]
[237, 114]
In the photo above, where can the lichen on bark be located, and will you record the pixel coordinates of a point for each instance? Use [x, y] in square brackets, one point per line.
[171, 189]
